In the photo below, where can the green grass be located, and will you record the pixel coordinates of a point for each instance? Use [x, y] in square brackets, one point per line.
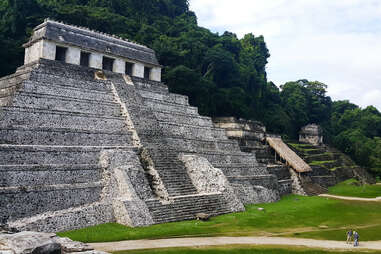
[243, 249]
[291, 214]
[350, 189]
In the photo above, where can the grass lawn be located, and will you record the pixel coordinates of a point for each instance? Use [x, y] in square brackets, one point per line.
[290, 215]
[242, 249]
[350, 189]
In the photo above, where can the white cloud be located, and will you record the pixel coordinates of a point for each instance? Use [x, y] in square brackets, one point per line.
[337, 42]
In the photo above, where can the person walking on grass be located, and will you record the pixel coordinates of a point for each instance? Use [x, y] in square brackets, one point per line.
[349, 236]
[356, 238]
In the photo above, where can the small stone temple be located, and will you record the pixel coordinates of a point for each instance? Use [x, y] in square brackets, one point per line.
[311, 134]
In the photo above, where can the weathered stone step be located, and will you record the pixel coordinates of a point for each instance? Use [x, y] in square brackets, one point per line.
[180, 118]
[65, 104]
[67, 91]
[69, 71]
[171, 107]
[40, 175]
[9, 91]
[192, 131]
[40, 199]
[53, 78]
[166, 97]
[214, 156]
[42, 155]
[312, 151]
[194, 145]
[89, 214]
[11, 116]
[148, 85]
[280, 171]
[186, 208]
[67, 137]
[14, 79]
[243, 171]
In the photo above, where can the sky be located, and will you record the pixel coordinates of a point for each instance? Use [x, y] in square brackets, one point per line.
[337, 42]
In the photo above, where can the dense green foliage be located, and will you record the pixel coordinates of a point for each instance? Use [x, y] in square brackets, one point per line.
[242, 249]
[291, 214]
[221, 74]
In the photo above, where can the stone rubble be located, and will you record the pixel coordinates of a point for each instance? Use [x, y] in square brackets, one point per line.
[41, 243]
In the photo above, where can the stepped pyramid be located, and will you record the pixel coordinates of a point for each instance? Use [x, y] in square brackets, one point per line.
[90, 135]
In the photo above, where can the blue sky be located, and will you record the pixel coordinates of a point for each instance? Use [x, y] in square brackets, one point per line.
[337, 42]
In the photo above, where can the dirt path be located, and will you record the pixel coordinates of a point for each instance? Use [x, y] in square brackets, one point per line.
[351, 198]
[210, 241]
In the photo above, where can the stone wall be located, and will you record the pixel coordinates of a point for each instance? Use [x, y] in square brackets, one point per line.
[311, 134]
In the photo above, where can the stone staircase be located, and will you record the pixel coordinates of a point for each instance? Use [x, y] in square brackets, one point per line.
[185, 207]
[250, 137]
[165, 140]
[55, 121]
[186, 132]
[329, 165]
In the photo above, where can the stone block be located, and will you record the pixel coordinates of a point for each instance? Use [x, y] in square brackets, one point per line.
[73, 55]
[156, 74]
[138, 70]
[48, 50]
[119, 66]
[96, 60]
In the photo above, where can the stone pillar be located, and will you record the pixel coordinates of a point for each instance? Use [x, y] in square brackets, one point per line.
[33, 52]
[119, 66]
[138, 70]
[48, 50]
[156, 74]
[96, 61]
[73, 56]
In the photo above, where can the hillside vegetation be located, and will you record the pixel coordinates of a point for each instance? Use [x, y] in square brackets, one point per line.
[222, 74]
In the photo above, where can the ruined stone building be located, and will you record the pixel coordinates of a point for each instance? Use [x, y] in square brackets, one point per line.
[80, 147]
[90, 135]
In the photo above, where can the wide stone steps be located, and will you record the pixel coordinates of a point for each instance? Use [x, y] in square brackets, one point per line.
[221, 157]
[186, 208]
[192, 131]
[165, 97]
[180, 118]
[165, 106]
[26, 201]
[14, 79]
[40, 175]
[67, 91]
[148, 85]
[46, 155]
[246, 170]
[192, 145]
[70, 82]
[66, 137]
[11, 117]
[65, 70]
[281, 171]
[65, 104]
[213, 156]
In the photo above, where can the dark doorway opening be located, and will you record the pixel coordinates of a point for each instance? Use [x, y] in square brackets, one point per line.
[61, 54]
[107, 64]
[85, 59]
[129, 67]
[147, 72]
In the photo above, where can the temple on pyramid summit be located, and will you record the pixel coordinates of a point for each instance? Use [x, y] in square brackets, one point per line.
[90, 135]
